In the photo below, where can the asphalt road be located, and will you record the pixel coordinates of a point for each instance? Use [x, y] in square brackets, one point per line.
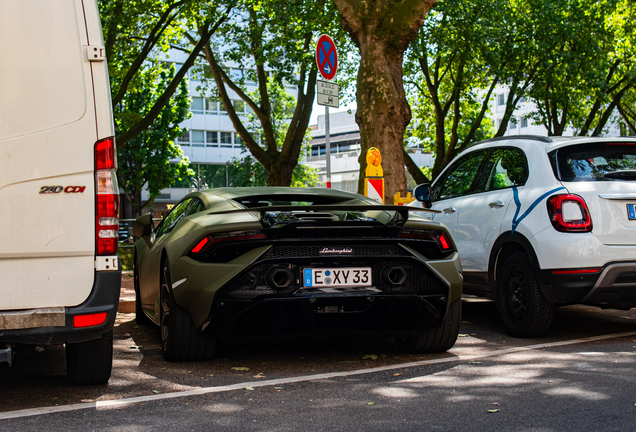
[577, 377]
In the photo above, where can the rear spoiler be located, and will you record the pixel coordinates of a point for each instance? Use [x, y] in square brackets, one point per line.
[326, 207]
[401, 215]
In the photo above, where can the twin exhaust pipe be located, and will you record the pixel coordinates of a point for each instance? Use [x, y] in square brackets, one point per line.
[279, 278]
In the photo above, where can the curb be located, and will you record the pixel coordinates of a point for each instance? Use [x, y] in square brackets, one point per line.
[126, 306]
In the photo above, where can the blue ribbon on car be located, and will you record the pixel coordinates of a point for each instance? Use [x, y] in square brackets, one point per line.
[515, 192]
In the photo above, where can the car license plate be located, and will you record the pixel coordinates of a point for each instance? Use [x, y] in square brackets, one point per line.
[631, 211]
[337, 277]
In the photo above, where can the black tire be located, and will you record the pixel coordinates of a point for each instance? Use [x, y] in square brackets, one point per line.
[438, 339]
[140, 316]
[180, 340]
[90, 362]
[522, 307]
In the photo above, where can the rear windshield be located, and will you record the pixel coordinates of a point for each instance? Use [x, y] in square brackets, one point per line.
[595, 162]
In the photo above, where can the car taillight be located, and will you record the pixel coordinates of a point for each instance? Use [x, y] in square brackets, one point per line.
[106, 198]
[229, 236]
[569, 213]
[440, 237]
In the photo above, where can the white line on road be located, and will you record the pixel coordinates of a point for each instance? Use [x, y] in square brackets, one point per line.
[274, 382]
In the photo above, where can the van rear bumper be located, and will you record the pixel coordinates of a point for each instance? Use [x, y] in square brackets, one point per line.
[55, 325]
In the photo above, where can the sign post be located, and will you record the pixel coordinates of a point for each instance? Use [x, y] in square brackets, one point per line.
[374, 176]
[326, 92]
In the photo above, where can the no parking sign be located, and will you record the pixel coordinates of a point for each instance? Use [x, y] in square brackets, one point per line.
[326, 57]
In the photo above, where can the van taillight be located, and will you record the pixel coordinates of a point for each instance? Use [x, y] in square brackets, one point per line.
[106, 198]
[569, 213]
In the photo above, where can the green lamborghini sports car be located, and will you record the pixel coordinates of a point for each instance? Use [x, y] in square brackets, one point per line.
[272, 263]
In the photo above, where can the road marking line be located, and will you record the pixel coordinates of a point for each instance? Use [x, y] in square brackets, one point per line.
[208, 390]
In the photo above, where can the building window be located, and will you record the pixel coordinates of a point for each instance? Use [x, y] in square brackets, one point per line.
[512, 123]
[197, 105]
[524, 122]
[212, 138]
[238, 142]
[184, 139]
[236, 74]
[197, 137]
[239, 107]
[222, 108]
[500, 99]
[211, 105]
[226, 139]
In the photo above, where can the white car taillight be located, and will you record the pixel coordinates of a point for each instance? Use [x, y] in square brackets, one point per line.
[569, 213]
[106, 198]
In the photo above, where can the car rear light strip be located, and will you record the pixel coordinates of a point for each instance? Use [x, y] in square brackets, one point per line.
[229, 236]
[440, 237]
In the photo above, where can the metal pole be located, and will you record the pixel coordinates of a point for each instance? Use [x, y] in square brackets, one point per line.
[198, 176]
[328, 144]
[227, 177]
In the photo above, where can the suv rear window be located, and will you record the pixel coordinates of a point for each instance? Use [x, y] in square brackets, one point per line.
[595, 162]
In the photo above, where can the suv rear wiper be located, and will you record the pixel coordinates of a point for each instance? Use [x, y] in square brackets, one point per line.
[621, 174]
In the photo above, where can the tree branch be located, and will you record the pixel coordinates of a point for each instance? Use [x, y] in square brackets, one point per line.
[163, 100]
[155, 34]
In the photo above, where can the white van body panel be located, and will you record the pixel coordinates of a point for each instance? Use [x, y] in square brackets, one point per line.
[47, 240]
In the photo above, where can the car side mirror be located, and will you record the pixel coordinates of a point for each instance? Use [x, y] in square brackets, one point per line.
[143, 225]
[422, 193]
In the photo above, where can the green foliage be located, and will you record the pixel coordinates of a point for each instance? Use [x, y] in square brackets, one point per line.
[126, 257]
[575, 59]
[462, 52]
[587, 61]
[245, 172]
[275, 51]
[145, 160]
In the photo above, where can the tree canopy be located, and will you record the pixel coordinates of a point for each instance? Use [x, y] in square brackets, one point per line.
[274, 53]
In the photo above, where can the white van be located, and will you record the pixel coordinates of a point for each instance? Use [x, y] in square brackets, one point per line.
[59, 271]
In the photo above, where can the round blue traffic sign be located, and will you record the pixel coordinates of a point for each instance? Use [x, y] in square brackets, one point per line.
[326, 57]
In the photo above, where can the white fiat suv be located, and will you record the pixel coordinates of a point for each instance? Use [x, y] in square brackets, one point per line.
[541, 222]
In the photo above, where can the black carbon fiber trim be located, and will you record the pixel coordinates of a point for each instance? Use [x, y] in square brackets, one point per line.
[253, 283]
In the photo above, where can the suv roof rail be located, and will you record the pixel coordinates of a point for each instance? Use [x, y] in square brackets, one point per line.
[527, 137]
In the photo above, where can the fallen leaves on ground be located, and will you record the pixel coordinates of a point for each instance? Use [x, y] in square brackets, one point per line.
[370, 357]
[259, 375]
[494, 411]
[240, 368]
[370, 403]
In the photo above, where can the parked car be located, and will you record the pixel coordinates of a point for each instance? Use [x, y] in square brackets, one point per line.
[238, 264]
[541, 222]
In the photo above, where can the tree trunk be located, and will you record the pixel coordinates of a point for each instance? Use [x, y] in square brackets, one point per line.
[382, 30]
[383, 112]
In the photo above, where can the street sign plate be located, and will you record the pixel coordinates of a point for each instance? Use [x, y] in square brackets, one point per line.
[327, 88]
[326, 57]
[326, 100]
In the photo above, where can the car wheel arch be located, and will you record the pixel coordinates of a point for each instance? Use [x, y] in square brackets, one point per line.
[507, 244]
